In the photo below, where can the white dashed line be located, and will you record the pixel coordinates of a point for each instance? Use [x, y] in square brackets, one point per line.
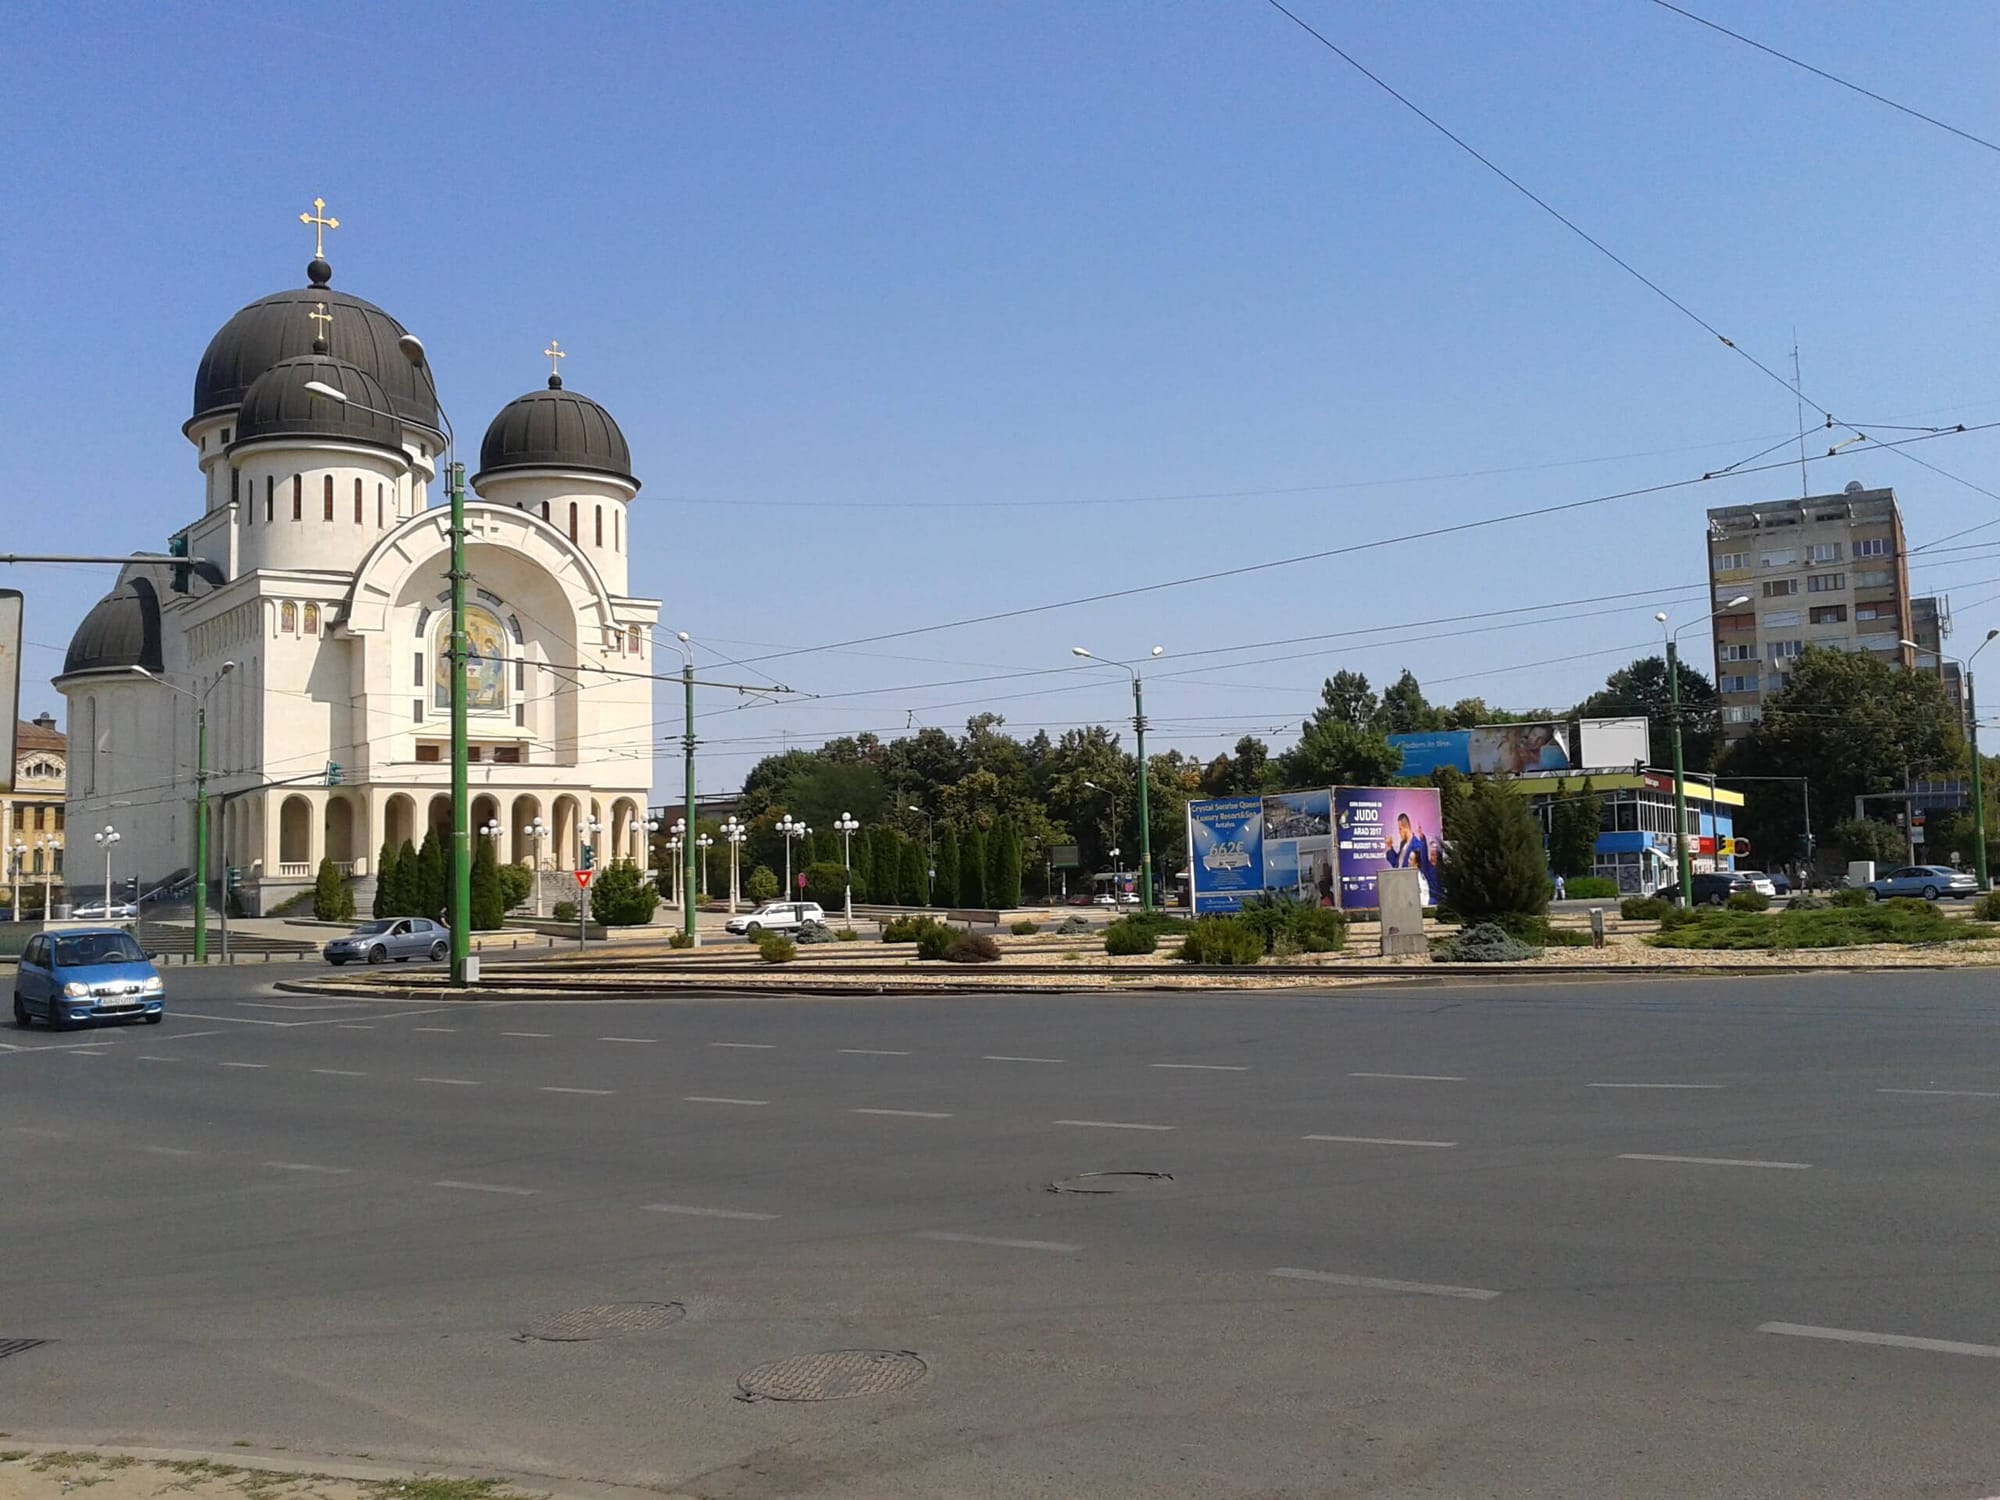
[1653, 1085]
[647, 1040]
[486, 1187]
[354, 1026]
[88, 1049]
[707, 1213]
[1003, 1244]
[557, 1089]
[907, 1114]
[458, 1083]
[997, 1057]
[1204, 1067]
[541, 1036]
[747, 1046]
[40, 1131]
[242, 1065]
[155, 1057]
[433, 1028]
[168, 1151]
[1110, 1125]
[337, 1072]
[1888, 1340]
[869, 1052]
[306, 1166]
[1946, 1093]
[1378, 1140]
[713, 1099]
[1414, 1077]
[1380, 1284]
[1716, 1161]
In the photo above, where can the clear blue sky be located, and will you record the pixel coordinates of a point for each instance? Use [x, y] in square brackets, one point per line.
[884, 294]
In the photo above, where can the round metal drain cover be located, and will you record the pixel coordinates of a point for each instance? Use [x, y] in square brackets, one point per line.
[608, 1320]
[834, 1375]
[1113, 1182]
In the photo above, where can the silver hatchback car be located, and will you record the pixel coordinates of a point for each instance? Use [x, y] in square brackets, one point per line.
[385, 938]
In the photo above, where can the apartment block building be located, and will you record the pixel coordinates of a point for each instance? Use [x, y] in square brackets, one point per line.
[1827, 570]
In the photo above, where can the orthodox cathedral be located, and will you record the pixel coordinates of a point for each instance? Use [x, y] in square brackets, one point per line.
[314, 623]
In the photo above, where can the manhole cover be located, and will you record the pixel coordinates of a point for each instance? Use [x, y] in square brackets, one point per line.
[19, 1346]
[833, 1376]
[609, 1320]
[1112, 1182]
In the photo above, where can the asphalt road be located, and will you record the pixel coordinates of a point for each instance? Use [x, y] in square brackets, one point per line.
[1643, 1239]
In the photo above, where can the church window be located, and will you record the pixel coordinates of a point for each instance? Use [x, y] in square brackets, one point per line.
[357, 502]
[326, 500]
[298, 497]
[634, 641]
[430, 751]
[235, 485]
[520, 675]
[226, 433]
[545, 510]
[270, 496]
[417, 717]
[617, 533]
[521, 715]
[507, 755]
[379, 493]
[485, 662]
[288, 617]
[417, 675]
[600, 526]
[423, 620]
[312, 619]
[572, 520]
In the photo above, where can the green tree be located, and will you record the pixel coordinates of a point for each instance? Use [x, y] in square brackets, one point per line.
[332, 900]
[885, 850]
[1004, 887]
[1346, 698]
[1639, 690]
[826, 883]
[972, 868]
[1330, 753]
[428, 891]
[944, 886]
[1404, 709]
[761, 884]
[516, 886]
[1867, 838]
[489, 908]
[1244, 771]
[1495, 867]
[619, 897]
[1573, 827]
[910, 877]
[386, 877]
[408, 878]
[1453, 786]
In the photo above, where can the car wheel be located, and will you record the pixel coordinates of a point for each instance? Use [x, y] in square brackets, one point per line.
[753, 929]
[1930, 893]
[58, 1019]
[377, 953]
[1873, 894]
[438, 951]
[20, 1012]
[155, 1017]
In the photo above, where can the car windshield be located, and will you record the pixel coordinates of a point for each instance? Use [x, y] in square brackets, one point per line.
[94, 948]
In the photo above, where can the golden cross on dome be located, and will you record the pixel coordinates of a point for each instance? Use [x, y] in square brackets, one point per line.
[555, 353]
[321, 316]
[321, 224]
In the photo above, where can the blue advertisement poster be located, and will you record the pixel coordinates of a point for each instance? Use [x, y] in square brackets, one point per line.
[1490, 750]
[1431, 751]
[1298, 846]
[1226, 851]
[1384, 827]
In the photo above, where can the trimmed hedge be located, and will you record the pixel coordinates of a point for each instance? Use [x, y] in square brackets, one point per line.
[1590, 888]
[1848, 896]
[1899, 922]
[1644, 908]
[1748, 901]
[1127, 939]
[908, 929]
[1227, 941]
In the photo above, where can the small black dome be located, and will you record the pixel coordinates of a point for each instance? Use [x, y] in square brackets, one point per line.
[122, 630]
[278, 405]
[554, 429]
[282, 326]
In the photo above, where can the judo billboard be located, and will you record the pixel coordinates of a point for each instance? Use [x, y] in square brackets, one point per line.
[1381, 828]
[1490, 750]
[1322, 846]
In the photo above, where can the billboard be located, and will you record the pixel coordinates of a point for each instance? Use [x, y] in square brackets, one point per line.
[1380, 828]
[1490, 750]
[1614, 742]
[1321, 845]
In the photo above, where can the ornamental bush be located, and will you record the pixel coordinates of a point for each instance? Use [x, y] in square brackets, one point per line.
[1126, 938]
[936, 939]
[1484, 943]
[332, 900]
[907, 929]
[620, 898]
[776, 948]
[761, 884]
[972, 948]
[1807, 901]
[1748, 901]
[1985, 909]
[1495, 863]
[1848, 895]
[1643, 908]
[1299, 926]
[1227, 941]
[1591, 888]
[516, 885]
[1022, 928]
[813, 932]
[565, 911]
[826, 883]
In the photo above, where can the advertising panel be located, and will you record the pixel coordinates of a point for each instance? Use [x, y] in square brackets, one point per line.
[1225, 851]
[1384, 827]
[1298, 846]
[1428, 752]
[1490, 750]
[1603, 743]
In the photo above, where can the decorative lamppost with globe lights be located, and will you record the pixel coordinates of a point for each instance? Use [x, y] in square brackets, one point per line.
[791, 828]
[537, 831]
[845, 825]
[106, 840]
[703, 844]
[735, 833]
[51, 849]
[18, 848]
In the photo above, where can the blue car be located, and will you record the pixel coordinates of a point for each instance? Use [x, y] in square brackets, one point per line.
[90, 974]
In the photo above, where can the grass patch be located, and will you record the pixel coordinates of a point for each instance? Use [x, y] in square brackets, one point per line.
[439, 1487]
[1902, 922]
[12, 1455]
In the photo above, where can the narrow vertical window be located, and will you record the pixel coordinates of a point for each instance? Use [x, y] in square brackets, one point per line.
[298, 497]
[600, 527]
[288, 617]
[545, 510]
[357, 502]
[380, 491]
[312, 619]
[617, 532]
[326, 499]
[235, 485]
[417, 669]
[572, 520]
[270, 497]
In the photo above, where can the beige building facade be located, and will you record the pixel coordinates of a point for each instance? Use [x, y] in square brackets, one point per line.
[32, 816]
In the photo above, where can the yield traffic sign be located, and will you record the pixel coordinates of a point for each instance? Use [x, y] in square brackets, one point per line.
[583, 879]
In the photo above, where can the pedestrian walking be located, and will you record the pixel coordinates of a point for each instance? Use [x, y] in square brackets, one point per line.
[1560, 888]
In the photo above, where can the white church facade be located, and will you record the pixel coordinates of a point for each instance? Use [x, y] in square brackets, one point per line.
[324, 525]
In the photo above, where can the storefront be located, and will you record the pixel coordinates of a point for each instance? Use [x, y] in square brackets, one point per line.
[1635, 840]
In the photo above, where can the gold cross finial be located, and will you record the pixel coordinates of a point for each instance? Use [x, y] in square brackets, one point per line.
[555, 353]
[321, 224]
[321, 316]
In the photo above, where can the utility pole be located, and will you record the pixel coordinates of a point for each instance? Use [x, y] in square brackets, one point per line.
[460, 920]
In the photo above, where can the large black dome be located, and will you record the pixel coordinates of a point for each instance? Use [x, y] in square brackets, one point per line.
[281, 326]
[278, 405]
[121, 631]
[554, 429]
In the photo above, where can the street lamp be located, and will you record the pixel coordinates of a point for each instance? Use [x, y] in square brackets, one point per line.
[200, 798]
[1111, 797]
[19, 848]
[845, 826]
[648, 826]
[459, 887]
[704, 843]
[791, 828]
[735, 833]
[52, 848]
[682, 868]
[687, 757]
[105, 840]
[1684, 863]
[1972, 732]
[537, 831]
[1139, 733]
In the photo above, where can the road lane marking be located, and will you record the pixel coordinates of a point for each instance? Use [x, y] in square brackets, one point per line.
[486, 1187]
[155, 1057]
[1057, 1246]
[337, 1072]
[1377, 1140]
[1716, 1161]
[1946, 1093]
[433, 1028]
[1001, 1057]
[1414, 1077]
[1653, 1085]
[1888, 1340]
[869, 1052]
[353, 1026]
[747, 1046]
[907, 1114]
[1204, 1067]
[41, 1131]
[1381, 1284]
[537, 1035]
[185, 1036]
[242, 1065]
[713, 1099]
[1111, 1125]
[306, 1166]
[691, 1211]
[461, 1083]
[168, 1151]
[88, 1049]
[648, 1040]
[550, 1088]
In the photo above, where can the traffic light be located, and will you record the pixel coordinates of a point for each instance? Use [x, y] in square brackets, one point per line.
[177, 546]
[231, 878]
[1805, 846]
[588, 857]
[333, 773]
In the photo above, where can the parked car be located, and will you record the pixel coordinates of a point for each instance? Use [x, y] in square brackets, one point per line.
[776, 916]
[1759, 881]
[102, 911]
[1081, 898]
[1927, 881]
[86, 974]
[400, 938]
[1710, 889]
